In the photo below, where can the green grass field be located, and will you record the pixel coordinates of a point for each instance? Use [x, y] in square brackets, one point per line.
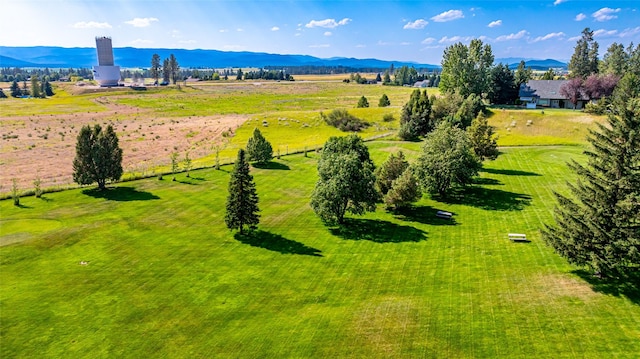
[164, 277]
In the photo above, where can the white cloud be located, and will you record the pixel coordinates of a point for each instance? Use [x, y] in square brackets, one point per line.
[141, 42]
[428, 40]
[327, 23]
[549, 36]
[319, 46]
[327, 33]
[630, 32]
[495, 23]
[91, 25]
[605, 14]
[384, 43]
[448, 16]
[223, 30]
[580, 17]
[416, 25]
[575, 38]
[519, 35]
[445, 39]
[275, 28]
[141, 21]
[558, 2]
[239, 29]
[603, 32]
[405, 43]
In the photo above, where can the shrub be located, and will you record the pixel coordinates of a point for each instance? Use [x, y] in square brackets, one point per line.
[384, 101]
[344, 121]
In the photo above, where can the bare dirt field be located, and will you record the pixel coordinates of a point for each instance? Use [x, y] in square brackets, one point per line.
[44, 145]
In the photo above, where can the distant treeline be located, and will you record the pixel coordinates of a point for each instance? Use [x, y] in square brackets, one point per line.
[327, 70]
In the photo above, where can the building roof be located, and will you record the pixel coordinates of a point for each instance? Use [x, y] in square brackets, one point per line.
[542, 89]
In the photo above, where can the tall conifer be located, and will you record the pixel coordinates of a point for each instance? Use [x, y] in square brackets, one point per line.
[598, 226]
[242, 202]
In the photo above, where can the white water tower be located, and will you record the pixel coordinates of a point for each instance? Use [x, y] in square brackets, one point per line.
[106, 74]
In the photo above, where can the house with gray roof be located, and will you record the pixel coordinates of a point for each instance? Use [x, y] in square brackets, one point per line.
[546, 93]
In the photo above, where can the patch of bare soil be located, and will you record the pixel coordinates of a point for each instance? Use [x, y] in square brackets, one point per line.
[44, 146]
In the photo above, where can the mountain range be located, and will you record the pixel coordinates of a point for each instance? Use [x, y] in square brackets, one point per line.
[130, 57]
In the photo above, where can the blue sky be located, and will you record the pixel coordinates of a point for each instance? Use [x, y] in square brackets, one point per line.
[388, 30]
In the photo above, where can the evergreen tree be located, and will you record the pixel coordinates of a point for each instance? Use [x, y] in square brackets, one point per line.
[242, 202]
[504, 89]
[346, 180]
[166, 71]
[584, 60]
[363, 102]
[174, 67]
[2, 94]
[404, 191]
[98, 156]
[239, 75]
[384, 101]
[48, 90]
[614, 62]
[386, 78]
[155, 68]
[15, 89]
[415, 116]
[447, 160]
[598, 225]
[390, 170]
[258, 148]
[522, 75]
[482, 138]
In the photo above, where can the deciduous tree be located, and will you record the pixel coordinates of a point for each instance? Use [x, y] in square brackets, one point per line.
[573, 90]
[404, 191]
[242, 202]
[346, 180]
[391, 169]
[98, 156]
[466, 69]
[447, 160]
[598, 224]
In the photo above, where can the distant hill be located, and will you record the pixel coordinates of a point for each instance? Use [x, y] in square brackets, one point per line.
[535, 64]
[54, 57]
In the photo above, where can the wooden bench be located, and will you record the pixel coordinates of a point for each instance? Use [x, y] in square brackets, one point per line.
[518, 237]
[444, 215]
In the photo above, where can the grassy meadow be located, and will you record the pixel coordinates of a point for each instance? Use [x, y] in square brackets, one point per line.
[148, 268]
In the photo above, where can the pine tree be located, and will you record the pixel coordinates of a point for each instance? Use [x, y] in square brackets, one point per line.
[404, 191]
[15, 89]
[363, 102]
[584, 60]
[242, 202]
[415, 117]
[35, 86]
[258, 148]
[482, 138]
[598, 225]
[174, 68]
[384, 101]
[155, 67]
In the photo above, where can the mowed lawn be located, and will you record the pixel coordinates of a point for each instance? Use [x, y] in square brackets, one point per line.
[148, 269]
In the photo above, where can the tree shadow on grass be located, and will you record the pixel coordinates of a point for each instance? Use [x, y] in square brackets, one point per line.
[487, 198]
[481, 181]
[625, 287]
[276, 243]
[424, 215]
[271, 165]
[122, 194]
[508, 172]
[377, 231]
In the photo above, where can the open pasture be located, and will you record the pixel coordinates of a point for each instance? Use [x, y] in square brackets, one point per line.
[149, 269]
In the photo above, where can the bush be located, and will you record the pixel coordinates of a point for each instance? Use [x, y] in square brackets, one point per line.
[344, 121]
[388, 118]
[384, 101]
